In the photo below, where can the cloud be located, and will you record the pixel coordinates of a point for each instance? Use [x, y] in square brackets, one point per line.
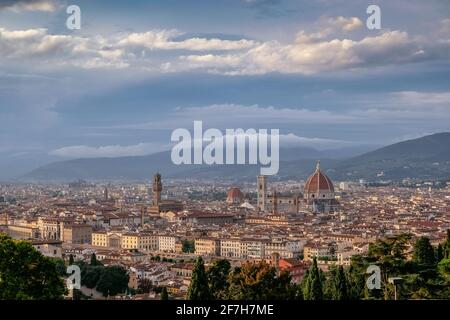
[309, 53]
[29, 5]
[83, 151]
[163, 40]
[331, 25]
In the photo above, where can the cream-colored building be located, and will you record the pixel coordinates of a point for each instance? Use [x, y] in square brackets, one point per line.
[207, 246]
[318, 251]
[22, 232]
[167, 243]
[77, 233]
[230, 248]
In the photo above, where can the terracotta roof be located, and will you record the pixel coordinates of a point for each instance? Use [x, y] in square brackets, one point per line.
[318, 181]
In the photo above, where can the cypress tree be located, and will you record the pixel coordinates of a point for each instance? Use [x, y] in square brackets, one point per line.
[199, 288]
[424, 252]
[439, 253]
[71, 260]
[94, 261]
[315, 282]
[341, 289]
[164, 294]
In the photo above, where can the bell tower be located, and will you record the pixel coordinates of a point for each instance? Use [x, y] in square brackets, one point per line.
[262, 192]
[157, 188]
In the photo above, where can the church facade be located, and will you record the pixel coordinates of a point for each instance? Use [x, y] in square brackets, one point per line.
[318, 196]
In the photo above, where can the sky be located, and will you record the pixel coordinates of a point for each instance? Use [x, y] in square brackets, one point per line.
[137, 70]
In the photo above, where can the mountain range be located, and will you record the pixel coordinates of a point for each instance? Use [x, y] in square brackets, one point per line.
[427, 157]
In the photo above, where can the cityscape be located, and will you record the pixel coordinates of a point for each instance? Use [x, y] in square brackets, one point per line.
[318, 167]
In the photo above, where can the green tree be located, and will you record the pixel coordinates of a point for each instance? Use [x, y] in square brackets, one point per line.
[447, 246]
[439, 253]
[444, 268]
[164, 294]
[114, 280]
[26, 274]
[199, 288]
[315, 283]
[71, 260]
[341, 285]
[188, 246]
[218, 278]
[424, 252]
[94, 261]
[90, 275]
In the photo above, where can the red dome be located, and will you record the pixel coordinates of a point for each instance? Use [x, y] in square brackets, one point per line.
[235, 193]
[318, 182]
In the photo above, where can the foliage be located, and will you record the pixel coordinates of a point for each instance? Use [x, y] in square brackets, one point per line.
[164, 294]
[113, 280]
[199, 287]
[259, 281]
[25, 274]
[312, 287]
[218, 278]
[424, 252]
[188, 246]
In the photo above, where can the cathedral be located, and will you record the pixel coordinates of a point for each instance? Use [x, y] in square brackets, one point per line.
[318, 196]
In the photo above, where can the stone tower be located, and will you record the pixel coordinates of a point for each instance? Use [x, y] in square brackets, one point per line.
[157, 188]
[262, 193]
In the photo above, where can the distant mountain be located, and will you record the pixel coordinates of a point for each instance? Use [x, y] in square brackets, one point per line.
[427, 157]
[296, 162]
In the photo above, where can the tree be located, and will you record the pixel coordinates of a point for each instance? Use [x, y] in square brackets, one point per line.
[90, 275]
[114, 280]
[447, 246]
[341, 286]
[314, 283]
[71, 260]
[164, 294]
[218, 278]
[424, 252]
[259, 281]
[444, 268]
[439, 253]
[26, 274]
[188, 246]
[199, 288]
[94, 261]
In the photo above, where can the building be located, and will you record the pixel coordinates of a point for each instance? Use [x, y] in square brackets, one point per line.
[230, 248]
[262, 192]
[319, 251]
[319, 192]
[318, 196]
[207, 246]
[159, 205]
[235, 196]
[167, 243]
[77, 233]
[48, 248]
[22, 232]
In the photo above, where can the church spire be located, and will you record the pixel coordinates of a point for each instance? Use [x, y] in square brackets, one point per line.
[318, 165]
